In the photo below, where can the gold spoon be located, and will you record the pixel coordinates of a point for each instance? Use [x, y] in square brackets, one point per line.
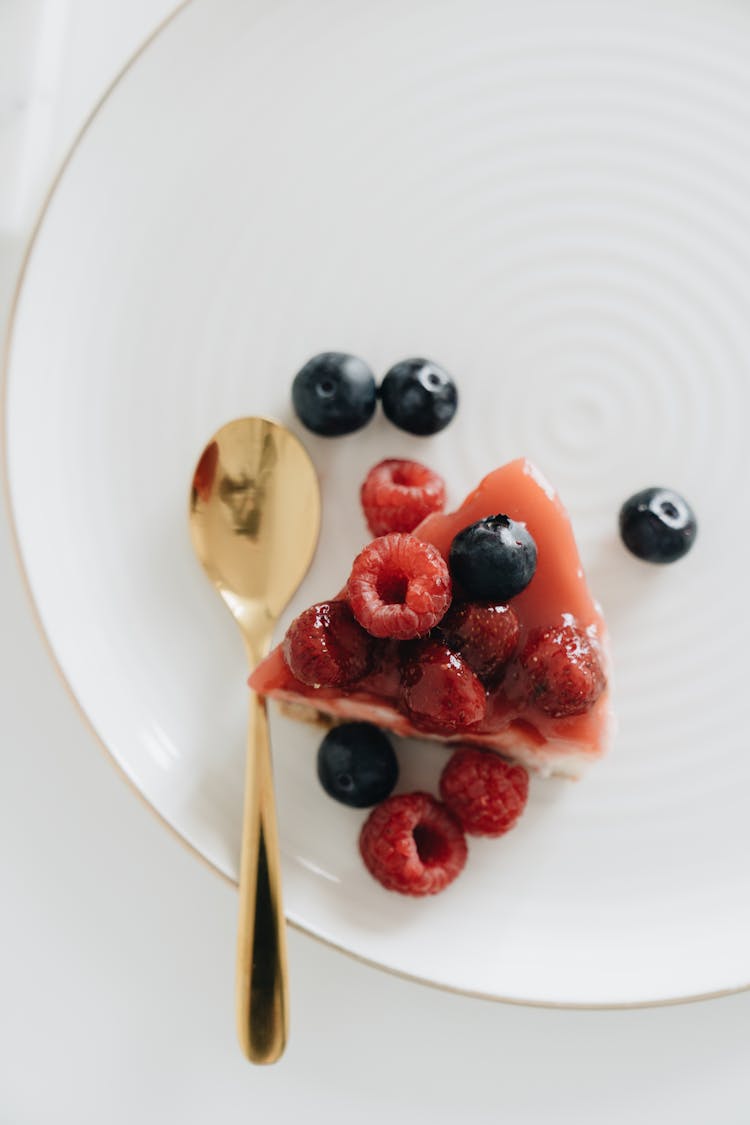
[254, 521]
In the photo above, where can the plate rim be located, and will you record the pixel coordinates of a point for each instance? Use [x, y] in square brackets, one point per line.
[36, 616]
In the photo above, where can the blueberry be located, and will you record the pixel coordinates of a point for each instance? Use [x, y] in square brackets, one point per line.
[357, 765]
[493, 560]
[418, 396]
[658, 525]
[334, 394]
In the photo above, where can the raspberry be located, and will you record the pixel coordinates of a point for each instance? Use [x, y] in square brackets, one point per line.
[325, 647]
[439, 691]
[399, 587]
[413, 845]
[485, 635]
[485, 793]
[397, 495]
[563, 670]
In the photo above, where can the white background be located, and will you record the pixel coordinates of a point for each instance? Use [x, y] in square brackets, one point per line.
[117, 945]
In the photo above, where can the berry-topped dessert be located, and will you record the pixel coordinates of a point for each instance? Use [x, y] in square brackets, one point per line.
[475, 627]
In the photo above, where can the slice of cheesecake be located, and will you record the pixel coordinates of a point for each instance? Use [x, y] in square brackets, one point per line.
[546, 704]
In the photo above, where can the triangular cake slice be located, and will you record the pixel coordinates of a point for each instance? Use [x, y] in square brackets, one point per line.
[514, 724]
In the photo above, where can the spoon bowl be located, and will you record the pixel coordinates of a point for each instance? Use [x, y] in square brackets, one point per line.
[254, 523]
[255, 516]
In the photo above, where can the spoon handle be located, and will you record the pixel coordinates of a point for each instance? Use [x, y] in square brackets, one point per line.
[262, 1001]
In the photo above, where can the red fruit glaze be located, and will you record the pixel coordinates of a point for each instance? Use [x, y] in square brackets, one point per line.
[399, 587]
[325, 646]
[484, 792]
[397, 495]
[413, 845]
[520, 491]
[439, 691]
[563, 670]
[485, 635]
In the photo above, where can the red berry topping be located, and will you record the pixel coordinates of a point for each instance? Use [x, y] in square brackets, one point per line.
[412, 844]
[397, 495]
[485, 635]
[399, 587]
[439, 691]
[325, 647]
[563, 670]
[485, 793]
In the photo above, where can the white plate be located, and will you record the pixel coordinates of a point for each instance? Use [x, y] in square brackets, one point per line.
[553, 201]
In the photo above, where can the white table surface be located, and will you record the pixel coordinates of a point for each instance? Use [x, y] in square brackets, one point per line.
[116, 1000]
